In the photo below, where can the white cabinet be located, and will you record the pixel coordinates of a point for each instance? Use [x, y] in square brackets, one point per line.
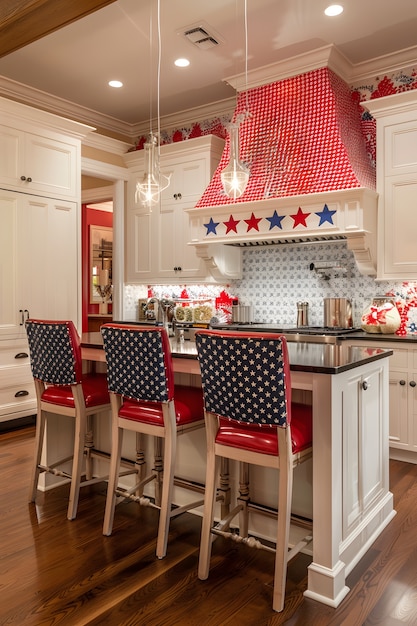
[40, 233]
[37, 164]
[402, 397]
[364, 440]
[157, 249]
[396, 184]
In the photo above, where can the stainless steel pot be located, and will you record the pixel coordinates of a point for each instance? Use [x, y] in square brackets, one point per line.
[242, 314]
[338, 313]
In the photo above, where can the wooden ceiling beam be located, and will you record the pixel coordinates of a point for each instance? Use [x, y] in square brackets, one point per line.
[24, 21]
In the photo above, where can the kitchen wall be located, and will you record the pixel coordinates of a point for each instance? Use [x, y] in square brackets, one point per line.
[275, 278]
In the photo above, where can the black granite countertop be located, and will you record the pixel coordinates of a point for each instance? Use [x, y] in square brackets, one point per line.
[304, 356]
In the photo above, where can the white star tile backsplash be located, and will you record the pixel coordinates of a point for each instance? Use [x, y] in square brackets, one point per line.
[276, 277]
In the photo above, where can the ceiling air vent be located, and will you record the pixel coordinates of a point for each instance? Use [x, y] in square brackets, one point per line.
[201, 38]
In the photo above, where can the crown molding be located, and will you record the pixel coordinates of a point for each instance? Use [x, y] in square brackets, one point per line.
[99, 169]
[386, 64]
[38, 99]
[188, 116]
[107, 144]
[326, 56]
[19, 92]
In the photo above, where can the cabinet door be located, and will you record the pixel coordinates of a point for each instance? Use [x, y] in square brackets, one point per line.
[188, 181]
[11, 321]
[48, 259]
[400, 228]
[51, 165]
[177, 260]
[397, 186]
[11, 155]
[39, 260]
[140, 244]
[363, 441]
[36, 164]
[398, 409]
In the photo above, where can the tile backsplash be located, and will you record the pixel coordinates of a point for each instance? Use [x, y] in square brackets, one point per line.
[275, 278]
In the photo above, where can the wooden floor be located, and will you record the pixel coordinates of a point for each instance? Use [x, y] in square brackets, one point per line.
[55, 572]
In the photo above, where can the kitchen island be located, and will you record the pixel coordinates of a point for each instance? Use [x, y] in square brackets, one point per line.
[351, 501]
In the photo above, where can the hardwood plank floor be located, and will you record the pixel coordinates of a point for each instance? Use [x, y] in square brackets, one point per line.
[57, 572]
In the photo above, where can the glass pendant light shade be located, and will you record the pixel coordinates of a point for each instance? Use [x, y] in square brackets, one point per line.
[153, 182]
[235, 175]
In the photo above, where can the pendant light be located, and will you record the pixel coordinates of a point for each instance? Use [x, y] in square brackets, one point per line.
[235, 176]
[148, 190]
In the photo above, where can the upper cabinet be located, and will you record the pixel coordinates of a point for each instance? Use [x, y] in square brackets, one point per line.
[40, 153]
[396, 118]
[157, 241]
[37, 164]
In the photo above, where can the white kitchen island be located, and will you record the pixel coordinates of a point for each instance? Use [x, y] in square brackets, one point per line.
[351, 501]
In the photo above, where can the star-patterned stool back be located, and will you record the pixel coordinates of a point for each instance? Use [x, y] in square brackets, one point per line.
[55, 355]
[245, 376]
[139, 364]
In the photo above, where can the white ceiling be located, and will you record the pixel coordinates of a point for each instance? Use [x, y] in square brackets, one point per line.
[76, 62]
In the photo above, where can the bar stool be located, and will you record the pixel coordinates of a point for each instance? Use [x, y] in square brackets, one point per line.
[250, 419]
[62, 389]
[145, 400]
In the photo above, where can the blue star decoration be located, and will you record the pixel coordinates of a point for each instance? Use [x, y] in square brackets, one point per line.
[325, 215]
[275, 221]
[211, 227]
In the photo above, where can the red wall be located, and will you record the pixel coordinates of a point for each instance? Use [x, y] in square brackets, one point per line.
[97, 218]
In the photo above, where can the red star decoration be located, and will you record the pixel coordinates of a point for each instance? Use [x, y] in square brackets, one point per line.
[300, 218]
[253, 222]
[231, 224]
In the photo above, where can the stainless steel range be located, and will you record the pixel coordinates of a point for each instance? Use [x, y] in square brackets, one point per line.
[316, 334]
[309, 334]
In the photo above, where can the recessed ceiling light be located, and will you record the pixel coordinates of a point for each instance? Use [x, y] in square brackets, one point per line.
[115, 83]
[182, 63]
[333, 9]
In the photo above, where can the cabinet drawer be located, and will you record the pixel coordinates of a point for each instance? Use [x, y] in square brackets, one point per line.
[17, 396]
[12, 352]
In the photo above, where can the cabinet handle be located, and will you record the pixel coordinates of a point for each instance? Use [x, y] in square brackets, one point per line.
[20, 394]
[21, 355]
[413, 383]
[365, 385]
[402, 382]
[28, 179]
[177, 196]
[177, 268]
[22, 317]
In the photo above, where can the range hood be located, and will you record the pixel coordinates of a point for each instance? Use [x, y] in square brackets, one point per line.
[311, 177]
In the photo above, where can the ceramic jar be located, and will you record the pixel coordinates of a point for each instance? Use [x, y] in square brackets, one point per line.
[381, 316]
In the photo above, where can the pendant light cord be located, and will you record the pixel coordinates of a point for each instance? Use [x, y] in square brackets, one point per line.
[158, 83]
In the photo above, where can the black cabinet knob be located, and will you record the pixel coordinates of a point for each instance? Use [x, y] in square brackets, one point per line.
[365, 385]
[402, 382]
[413, 383]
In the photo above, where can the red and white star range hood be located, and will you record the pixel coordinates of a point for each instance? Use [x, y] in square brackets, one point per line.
[311, 177]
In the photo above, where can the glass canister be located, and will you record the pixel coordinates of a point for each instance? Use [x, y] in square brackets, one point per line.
[381, 316]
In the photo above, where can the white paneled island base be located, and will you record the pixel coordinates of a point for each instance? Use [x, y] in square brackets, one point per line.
[351, 501]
